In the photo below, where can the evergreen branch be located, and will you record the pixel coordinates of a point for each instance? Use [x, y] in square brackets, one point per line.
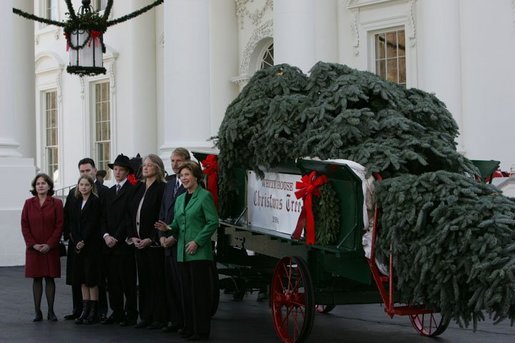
[71, 10]
[107, 10]
[36, 18]
[135, 13]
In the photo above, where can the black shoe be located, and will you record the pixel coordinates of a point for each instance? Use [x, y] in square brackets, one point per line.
[170, 328]
[262, 296]
[142, 324]
[185, 334]
[102, 318]
[38, 317]
[196, 337]
[156, 325]
[72, 316]
[128, 322]
[51, 316]
[109, 320]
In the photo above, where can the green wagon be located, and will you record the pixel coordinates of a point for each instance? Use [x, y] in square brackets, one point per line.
[303, 279]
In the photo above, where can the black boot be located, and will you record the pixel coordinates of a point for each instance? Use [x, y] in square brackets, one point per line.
[51, 316]
[38, 317]
[85, 312]
[93, 313]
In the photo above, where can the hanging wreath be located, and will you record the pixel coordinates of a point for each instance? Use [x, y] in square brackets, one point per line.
[89, 23]
[326, 209]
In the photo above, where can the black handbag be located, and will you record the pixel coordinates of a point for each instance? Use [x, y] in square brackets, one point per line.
[62, 248]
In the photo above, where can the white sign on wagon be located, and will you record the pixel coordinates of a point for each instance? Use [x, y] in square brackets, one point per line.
[271, 201]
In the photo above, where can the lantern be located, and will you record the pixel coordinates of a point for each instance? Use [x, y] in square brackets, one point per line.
[84, 32]
[84, 42]
[85, 49]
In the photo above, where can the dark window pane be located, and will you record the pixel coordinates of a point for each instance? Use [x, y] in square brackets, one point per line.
[391, 70]
[380, 68]
[391, 44]
[402, 70]
[402, 43]
[380, 46]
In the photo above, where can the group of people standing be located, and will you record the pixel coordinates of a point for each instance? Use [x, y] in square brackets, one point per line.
[147, 245]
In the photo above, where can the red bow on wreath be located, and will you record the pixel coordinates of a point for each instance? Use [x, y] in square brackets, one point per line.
[210, 165]
[306, 188]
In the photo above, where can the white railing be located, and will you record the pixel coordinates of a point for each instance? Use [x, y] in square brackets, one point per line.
[62, 193]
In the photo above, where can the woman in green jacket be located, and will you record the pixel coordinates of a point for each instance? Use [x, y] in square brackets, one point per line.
[195, 221]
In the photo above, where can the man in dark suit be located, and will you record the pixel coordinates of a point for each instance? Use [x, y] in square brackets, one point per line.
[118, 255]
[173, 189]
[86, 167]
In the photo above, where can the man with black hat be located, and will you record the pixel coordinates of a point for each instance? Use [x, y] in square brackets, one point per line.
[119, 256]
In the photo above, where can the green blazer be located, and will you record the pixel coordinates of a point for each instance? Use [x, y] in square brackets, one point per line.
[197, 222]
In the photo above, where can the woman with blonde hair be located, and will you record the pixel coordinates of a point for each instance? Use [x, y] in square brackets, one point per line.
[85, 230]
[144, 212]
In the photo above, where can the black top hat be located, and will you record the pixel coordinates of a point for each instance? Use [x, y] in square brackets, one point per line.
[122, 161]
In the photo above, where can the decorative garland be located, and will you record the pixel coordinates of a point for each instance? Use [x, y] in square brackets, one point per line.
[89, 21]
[81, 70]
[326, 209]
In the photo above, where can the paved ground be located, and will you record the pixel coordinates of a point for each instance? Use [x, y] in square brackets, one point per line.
[247, 321]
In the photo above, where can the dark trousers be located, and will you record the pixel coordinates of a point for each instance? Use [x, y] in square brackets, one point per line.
[102, 294]
[196, 295]
[121, 285]
[76, 287]
[151, 281]
[173, 287]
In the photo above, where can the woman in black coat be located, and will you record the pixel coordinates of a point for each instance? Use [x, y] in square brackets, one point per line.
[85, 230]
[144, 211]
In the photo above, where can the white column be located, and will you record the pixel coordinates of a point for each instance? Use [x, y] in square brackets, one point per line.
[294, 33]
[16, 40]
[439, 51]
[224, 59]
[187, 95]
[326, 31]
[25, 86]
[8, 144]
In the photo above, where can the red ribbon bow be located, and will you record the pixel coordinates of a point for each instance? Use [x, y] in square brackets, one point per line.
[210, 165]
[306, 188]
[67, 37]
[95, 35]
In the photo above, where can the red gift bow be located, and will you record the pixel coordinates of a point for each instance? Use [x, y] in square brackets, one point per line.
[307, 187]
[210, 165]
[95, 35]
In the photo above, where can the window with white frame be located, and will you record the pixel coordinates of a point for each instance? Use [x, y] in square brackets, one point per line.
[102, 126]
[268, 57]
[99, 5]
[49, 9]
[51, 134]
[390, 55]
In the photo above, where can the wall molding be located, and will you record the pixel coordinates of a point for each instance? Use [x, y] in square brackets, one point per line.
[357, 6]
[264, 31]
[255, 16]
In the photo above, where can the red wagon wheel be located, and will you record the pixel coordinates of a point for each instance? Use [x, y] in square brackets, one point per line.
[429, 324]
[293, 301]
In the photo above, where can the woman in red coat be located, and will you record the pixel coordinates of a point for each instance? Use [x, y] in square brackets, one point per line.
[42, 226]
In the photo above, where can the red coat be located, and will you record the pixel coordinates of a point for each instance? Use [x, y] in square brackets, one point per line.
[42, 225]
